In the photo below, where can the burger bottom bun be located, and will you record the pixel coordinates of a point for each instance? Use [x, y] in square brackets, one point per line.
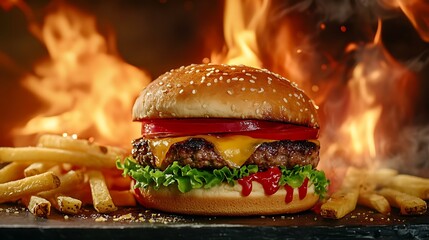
[225, 200]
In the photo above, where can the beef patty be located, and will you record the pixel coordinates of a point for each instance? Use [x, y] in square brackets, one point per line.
[200, 153]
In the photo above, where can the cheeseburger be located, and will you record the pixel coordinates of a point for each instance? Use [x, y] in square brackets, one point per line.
[225, 140]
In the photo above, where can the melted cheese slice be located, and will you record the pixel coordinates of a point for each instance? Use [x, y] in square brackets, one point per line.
[235, 149]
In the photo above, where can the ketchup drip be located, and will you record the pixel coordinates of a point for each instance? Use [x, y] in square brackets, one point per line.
[268, 179]
[270, 182]
[289, 194]
[302, 190]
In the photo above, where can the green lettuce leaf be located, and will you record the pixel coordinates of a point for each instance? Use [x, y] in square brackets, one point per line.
[187, 178]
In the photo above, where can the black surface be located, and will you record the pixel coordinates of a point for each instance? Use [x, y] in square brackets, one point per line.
[18, 223]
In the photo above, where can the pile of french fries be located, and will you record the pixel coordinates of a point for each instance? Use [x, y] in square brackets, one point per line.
[65, 173]
[379, 190]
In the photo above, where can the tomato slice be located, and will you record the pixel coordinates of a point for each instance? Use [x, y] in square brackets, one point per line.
[152, 128]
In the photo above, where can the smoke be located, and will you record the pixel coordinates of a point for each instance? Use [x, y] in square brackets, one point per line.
[412, 151]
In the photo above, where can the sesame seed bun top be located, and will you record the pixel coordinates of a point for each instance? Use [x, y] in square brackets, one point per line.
[225, 91]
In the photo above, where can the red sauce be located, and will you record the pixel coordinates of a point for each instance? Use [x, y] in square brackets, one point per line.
[302, 190]
[268, 179]
[289, 194]
[270, 182]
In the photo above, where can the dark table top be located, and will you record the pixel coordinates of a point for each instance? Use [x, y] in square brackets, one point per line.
[17, 223]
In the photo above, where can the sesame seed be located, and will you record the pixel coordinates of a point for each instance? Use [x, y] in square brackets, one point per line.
[225, 73]
[234, 78]
[243, 89]
[274, 90]
[198, 70]
[285, 100]
[241, 79]
[252, 81]
[298, 103]
[209, 84]
[217, 70]
[253, 89]
[215, 80]
[178, 85]
[228, 80]
[248, 74]
[261, 90]
[230, 92]
[233, 68]
[220, 78]
[290, 94]
[191, 82]
[194, 91]
[181, 91]
[254, 77]
[203, 79]
[244, 70]
[160, 83]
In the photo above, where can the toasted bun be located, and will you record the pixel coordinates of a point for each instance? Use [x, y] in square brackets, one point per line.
[223, 91]
[225, 200]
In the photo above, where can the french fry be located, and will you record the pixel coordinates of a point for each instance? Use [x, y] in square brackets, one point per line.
[340, 203]
[38, 206]
[37, 168]
[101, 198]
[374, 201]
[68, 205]
[80, 145]
[344, 201]
[408, 204]
[124, 198]
[383, 176]
[69, 182]
[12, 171]
[50, 155]
[17, 189]
[412, 185]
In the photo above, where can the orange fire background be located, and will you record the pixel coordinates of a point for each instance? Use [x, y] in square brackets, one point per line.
[76, 67]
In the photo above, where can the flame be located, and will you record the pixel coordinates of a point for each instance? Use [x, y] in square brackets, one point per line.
[417, 13]
[356, 112]
[87, 89]
[240, 33]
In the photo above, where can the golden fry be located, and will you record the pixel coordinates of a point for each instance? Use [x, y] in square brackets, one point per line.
[68, 205]
[382, 177]
[101, 198]
[37, 168]
[408, 204]
[50, 155]
[17, 189]
[12, 171]
[412, 185]
[69, 182]
[340, 203]
[38, 206]
[123, 198]
[80, 145]
[374, 201]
